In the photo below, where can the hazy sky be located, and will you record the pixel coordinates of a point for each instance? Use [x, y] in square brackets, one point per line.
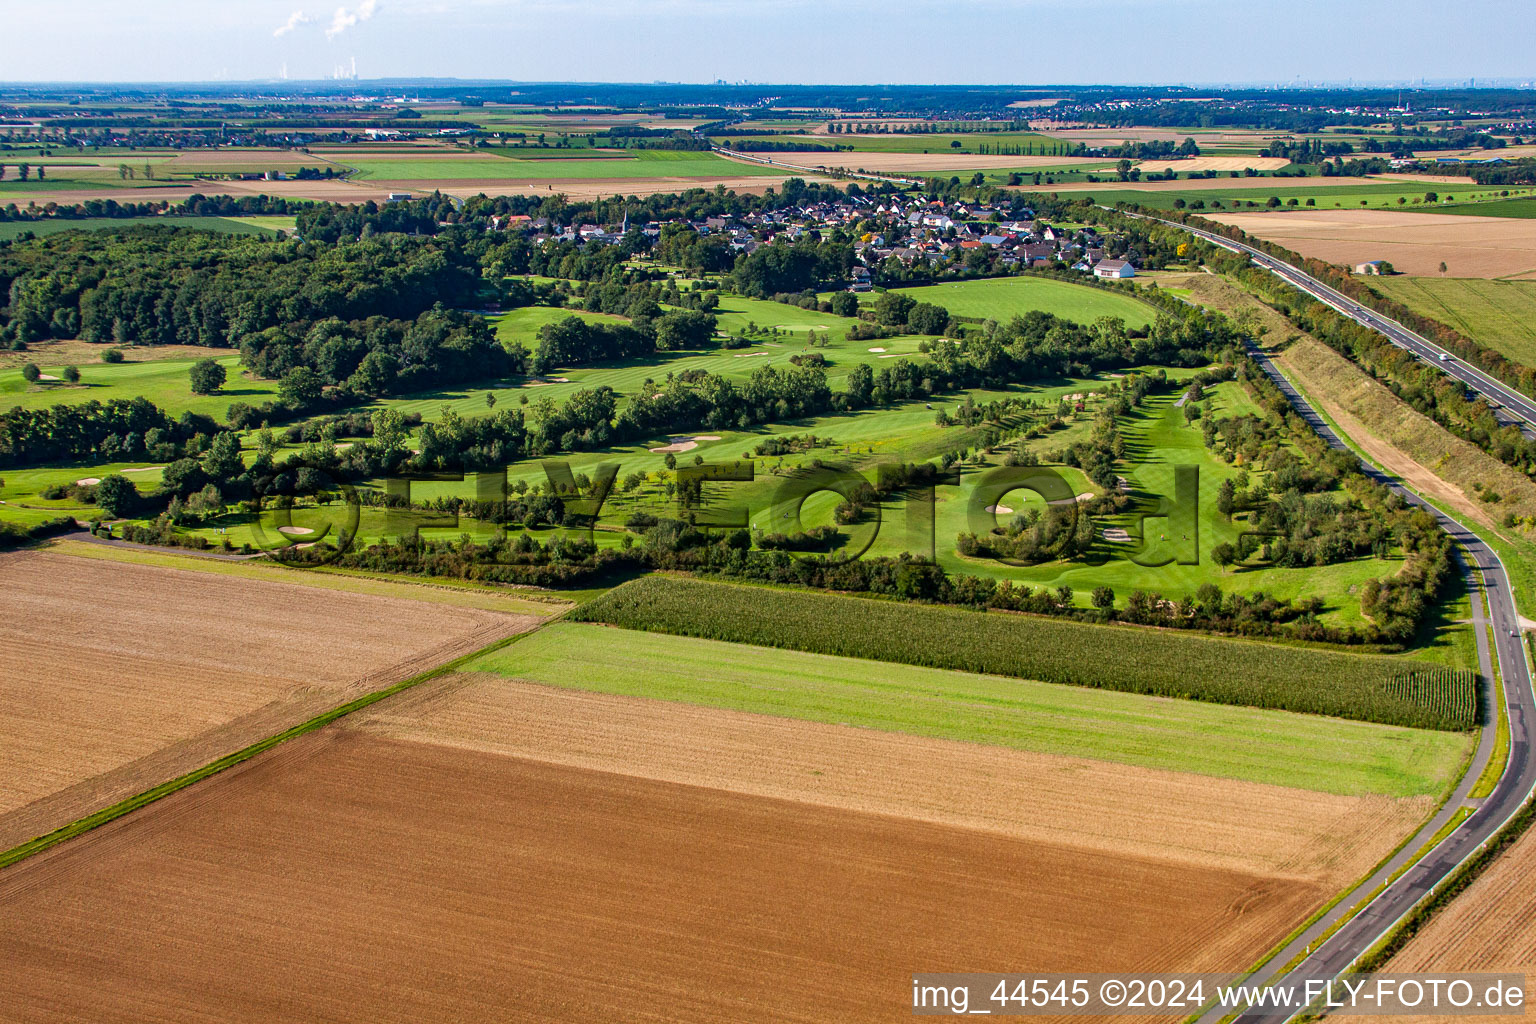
[820, 41]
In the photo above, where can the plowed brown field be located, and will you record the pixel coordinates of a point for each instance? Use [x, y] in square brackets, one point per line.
[117, 677]
[350, 877]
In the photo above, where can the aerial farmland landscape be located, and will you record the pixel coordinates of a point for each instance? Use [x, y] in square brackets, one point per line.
[576, 513]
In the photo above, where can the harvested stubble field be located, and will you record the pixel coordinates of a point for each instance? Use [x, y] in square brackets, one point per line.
[1302, 834]
[1489, 927]
[1414, 243]
[119, 677]
[1223, 671]
[478, 886]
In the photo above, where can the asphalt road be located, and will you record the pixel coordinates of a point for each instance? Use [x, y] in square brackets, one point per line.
[1336, 953]
[1510, 406]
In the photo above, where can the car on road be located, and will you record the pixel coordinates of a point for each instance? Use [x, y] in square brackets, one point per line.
[1444, 358]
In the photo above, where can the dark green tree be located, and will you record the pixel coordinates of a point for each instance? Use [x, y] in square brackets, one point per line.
[207, 377]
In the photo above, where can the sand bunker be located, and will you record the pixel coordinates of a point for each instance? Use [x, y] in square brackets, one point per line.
[46, 376]
[539, 382]
[684, 444]
[295, 531]
[86, 481]
[1000, 510]
[743, 355]
[143, 469]
[877, 350]
[1116, 534]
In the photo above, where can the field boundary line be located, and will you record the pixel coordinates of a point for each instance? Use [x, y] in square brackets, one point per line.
[108, 814]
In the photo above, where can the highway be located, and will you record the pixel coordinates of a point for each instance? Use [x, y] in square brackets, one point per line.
[1510, 406]
[1332, 956]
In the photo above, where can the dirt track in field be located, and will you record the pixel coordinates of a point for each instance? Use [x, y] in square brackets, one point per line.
[1414, 243]
[117, 677]
[1112, 809]
[348, 877]
[1489, 927]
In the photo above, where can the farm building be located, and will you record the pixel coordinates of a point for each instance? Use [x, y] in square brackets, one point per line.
[1116, 269]
[1368, 267]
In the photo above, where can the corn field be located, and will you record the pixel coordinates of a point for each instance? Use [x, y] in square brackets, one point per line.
[1446, 691]
[1132, 659]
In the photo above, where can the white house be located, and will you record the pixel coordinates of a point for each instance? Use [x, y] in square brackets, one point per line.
[1117, 269]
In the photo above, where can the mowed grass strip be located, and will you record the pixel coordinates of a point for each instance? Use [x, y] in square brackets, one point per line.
[1004, 298]
[1299, 751]
[1128, 658]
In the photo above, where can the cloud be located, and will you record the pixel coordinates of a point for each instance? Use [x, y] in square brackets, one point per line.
[345, 19]
[295, 19]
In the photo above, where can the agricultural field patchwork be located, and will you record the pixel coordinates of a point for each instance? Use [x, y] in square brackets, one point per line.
[512, 877]
[817, 812]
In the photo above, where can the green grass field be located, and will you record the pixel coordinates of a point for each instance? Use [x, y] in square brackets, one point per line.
[1006, 297]
[1281, 748]
[1498, 314]
[227, 225]
[163, 381]
[1521, 208]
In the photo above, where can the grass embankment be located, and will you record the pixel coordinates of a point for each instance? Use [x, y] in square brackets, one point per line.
[1131, 659]
[1308, 752]
[1429, 458]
